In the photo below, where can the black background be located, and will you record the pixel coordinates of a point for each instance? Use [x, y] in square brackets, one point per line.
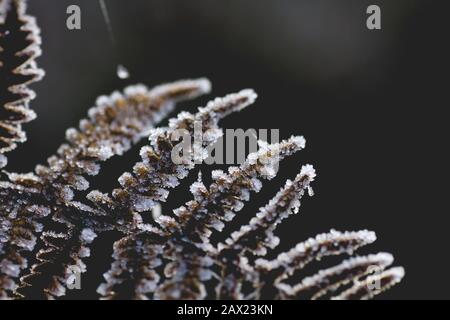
[370, 104]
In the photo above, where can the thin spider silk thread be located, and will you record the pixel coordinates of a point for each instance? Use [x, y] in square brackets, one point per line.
[121, 71]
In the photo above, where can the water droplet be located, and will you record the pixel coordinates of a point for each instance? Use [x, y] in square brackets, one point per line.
[122, 72]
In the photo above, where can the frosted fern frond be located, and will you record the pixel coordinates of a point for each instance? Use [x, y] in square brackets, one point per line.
[373, 285]
[149, 183]
[331, 279]
[322, 245]
[44, 218]
[22, 210]
[189, 228]
[134, 273]
[116, 123]
[57, 261]
[195, 268]
[258, 235]
[19, 47]
[157, 172]
[212, 207]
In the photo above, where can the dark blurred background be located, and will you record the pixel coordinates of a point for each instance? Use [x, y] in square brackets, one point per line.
[370, 104]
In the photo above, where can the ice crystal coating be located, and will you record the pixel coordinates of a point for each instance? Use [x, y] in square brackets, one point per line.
[322, 245]
[173, 256]
[195, 268]
[367, 288]
[258, 235]
[329, 280]
[142, 189]
[135, 260]
[116, 123]
[157, 173]
[19, 47]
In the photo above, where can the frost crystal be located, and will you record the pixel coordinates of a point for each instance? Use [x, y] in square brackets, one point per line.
[87, 235]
